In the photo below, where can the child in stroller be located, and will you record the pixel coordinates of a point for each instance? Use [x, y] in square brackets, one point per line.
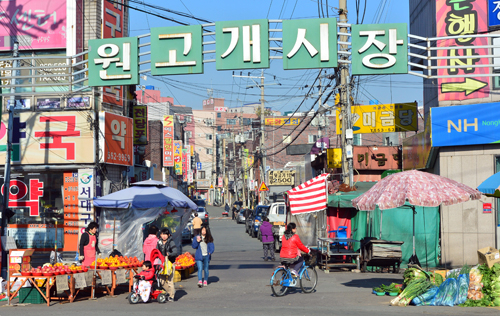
[146, 285]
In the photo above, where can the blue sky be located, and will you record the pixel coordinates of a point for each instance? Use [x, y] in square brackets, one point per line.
[190, 90]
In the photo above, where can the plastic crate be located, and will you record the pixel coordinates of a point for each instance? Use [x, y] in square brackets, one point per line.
[30, 295]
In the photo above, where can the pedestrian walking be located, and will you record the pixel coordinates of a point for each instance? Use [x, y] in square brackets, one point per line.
[204, 245]
[197, 222]
[150, 242]
[266, 230]
[88, 245]
[168, 249]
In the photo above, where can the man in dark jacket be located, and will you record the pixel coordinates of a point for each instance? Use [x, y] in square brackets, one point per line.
[168, 249]
[266, 230]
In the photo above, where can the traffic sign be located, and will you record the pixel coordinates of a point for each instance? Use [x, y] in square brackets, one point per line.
[211, 186]
[263, 187]
[198, 165]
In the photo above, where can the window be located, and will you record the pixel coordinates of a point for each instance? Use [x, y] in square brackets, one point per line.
[219, 115]
[219, 128]
[210, 151]
[312, 138]
[208, 136]
[281, 209]
[189, 134]
[247, 121]
[231, 121]
[286, 139]
[201, 174]
[188, 118]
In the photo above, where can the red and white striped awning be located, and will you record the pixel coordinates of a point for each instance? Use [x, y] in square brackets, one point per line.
[309, 197]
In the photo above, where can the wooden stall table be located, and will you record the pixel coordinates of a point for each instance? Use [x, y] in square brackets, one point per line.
[330, 248]
[49, 284]
[381, 253]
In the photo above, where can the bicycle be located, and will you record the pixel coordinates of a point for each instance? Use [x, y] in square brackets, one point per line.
[282, 278]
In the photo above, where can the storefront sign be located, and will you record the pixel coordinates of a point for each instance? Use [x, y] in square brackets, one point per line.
[25, 195]
[281, 177]
[379, 49]
[114, 61]
[376, 158]
[493, 13]
[71, 207]
[48, 138]
[465, 124]
[282, 121]
[220, 109]
[36, 237]
[382, 118]
[417, 149]
[140, 113]
[168, 141]
[486, 208]
[454, 18]
[178, 157]
[185, 158]
[117, 142]
[86, 189]
[208, 102]
[203, 183]
[320, 145]
[190, 177]
[184, 47]
[334, 157]
[78, 102]
[36, 24]
[310, 43]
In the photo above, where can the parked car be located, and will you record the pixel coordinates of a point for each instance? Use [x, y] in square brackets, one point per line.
[240, 219]
[255, 220]
[187, 233]
[200, 202]
[203, 214]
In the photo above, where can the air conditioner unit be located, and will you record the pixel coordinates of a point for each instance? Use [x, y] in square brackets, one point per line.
[315, 121]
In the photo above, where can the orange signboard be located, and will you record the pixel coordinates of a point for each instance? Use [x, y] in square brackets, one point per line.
[70, 211]
[118, 139]
[376, 158]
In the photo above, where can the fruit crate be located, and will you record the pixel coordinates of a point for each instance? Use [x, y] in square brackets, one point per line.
[30, 295]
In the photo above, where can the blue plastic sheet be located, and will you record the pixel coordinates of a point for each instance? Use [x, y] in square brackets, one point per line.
[463, 288]
[447, 293]
[426, 298]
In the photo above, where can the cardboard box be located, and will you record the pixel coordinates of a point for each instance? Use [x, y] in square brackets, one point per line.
[19, 259]
[488, 255]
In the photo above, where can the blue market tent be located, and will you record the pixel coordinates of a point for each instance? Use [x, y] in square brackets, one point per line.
[145, 194]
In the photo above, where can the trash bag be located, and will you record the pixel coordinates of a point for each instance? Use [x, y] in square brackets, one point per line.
[463, 288]
[426, 298]
[447, 293]
[115, 253]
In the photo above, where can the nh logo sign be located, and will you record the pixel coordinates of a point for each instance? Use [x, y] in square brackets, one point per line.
[458, 126]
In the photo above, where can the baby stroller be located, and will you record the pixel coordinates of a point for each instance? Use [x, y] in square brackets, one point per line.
[156, 293]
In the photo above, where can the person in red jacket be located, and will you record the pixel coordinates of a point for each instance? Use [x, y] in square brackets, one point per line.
[291, 247]
[146, 280]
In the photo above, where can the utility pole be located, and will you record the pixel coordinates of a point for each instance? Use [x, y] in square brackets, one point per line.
[10, 130]
[214, 184]
[262, 141]
[320, 117]
[345, 99]
[243, 169]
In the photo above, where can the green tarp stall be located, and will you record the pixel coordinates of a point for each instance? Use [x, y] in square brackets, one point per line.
[396, 226]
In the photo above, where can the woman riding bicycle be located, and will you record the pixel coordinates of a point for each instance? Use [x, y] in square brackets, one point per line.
[291, 247]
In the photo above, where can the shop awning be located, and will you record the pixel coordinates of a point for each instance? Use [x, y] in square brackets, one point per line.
[343, 199]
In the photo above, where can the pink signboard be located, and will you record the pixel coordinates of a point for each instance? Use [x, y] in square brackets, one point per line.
[36, 24]
[462, 18]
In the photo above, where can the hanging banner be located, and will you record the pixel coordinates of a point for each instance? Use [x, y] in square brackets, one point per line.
[86, 189]
[117, 142]
[178, 157]
[462, 18]
[282, 121]
[185, 159]
[168, 141]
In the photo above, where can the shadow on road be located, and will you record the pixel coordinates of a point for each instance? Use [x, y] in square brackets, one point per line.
[220, 266]
[370, 283]
[213, 279]
[179, 294]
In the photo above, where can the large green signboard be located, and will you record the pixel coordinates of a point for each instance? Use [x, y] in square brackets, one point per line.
[379, 49]
[310, 43]
[242, 44]
[114, 61]
[176, 50]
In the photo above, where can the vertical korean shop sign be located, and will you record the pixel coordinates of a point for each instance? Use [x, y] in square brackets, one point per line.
[117, 143]
[168, 141]
[114, 61]
[71, 219]
[310, 43]
[140, 113]
[242, 44]
[379, 49]
[178, 157]
[462, 18]
[86, 189]
[176, 50]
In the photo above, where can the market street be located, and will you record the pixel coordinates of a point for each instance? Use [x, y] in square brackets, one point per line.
[238, 285]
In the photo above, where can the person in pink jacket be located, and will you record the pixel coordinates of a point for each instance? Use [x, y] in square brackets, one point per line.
[150, 242]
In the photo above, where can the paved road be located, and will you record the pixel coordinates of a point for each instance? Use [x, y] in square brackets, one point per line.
[238, 286]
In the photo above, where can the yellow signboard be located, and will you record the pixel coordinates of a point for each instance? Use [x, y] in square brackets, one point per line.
[281, 177]
[282, 121]
[334, 157]
[382, 118]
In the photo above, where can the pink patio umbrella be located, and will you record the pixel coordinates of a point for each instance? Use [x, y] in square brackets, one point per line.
[417, 188]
